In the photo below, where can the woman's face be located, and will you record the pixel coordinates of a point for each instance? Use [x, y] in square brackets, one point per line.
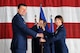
[58, 22]
[42, 23]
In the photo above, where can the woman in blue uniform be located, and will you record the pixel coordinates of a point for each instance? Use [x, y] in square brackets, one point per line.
[57, 39]
[60, 36]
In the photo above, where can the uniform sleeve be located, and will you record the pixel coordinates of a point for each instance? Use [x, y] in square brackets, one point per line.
[34, 28]
[48, 34]
[22, 26]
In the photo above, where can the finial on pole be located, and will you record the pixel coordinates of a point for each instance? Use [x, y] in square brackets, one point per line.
[35, 20]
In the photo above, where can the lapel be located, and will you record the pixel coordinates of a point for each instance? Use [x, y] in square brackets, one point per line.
[57, 30]
[40, 30]
[21, 18]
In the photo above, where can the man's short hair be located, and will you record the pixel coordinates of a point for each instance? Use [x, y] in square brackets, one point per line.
[21, 5]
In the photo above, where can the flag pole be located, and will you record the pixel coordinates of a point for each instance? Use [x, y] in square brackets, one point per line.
[35, 21]
[42, 47]
[51, 16]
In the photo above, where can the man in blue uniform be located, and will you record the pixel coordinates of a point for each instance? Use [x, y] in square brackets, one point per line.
[20, 31]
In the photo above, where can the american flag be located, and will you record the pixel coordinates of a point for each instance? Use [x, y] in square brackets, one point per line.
[69, 9]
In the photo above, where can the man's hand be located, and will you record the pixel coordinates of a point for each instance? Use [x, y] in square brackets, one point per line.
[40, 35]
[42, 40]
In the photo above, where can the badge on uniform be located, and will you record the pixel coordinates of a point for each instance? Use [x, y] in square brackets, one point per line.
[24, 22]
[56, 32]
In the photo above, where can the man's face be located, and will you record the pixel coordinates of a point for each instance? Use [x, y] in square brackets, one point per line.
[22, 10]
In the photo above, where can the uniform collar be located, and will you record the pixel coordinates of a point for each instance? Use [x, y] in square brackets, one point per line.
[20, 15]
[60, 26]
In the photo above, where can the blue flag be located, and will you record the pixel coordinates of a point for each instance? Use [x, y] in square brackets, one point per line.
[43, 18]
[51, 26]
